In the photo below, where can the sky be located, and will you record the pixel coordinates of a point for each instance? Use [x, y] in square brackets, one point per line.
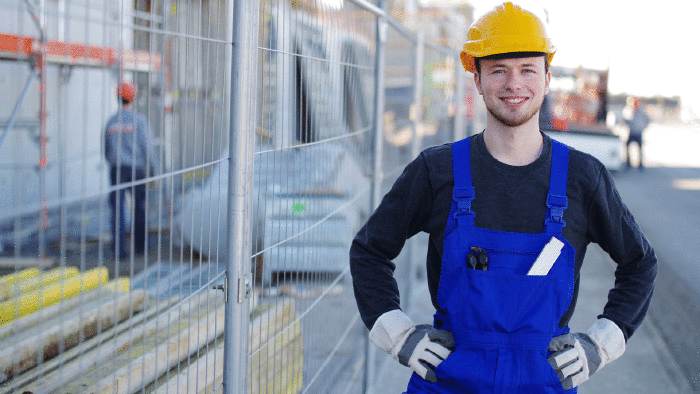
[650, 47]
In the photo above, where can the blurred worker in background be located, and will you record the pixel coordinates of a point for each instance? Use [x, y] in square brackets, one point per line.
[131, 156]
[637, 124]
[509, 212]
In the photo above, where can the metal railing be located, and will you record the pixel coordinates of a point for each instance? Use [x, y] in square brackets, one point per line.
[278, 126]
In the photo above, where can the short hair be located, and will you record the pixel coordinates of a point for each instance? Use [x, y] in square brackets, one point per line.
[512, 55]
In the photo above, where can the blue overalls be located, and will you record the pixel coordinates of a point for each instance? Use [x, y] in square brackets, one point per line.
[502, 320]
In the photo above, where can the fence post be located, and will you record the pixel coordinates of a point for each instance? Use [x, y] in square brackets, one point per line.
[460, 115]
[378, 172]
[243, 17]
[416, 121]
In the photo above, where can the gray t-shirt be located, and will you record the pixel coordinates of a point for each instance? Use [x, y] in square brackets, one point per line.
[639, 122]
[128, 142]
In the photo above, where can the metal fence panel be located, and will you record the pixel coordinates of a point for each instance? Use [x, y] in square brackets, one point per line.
[312, 189]
[422, 101]
[76, 316]
[267, 177]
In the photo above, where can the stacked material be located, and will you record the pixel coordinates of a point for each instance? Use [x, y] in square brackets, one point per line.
[28, 295]
[277, 346]
[107, 337]
[48, 314]
[276, 365]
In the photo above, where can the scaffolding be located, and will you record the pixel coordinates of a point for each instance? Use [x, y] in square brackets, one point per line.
[40, 52]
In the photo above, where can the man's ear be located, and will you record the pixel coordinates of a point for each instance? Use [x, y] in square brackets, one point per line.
[477, 83]
[547, 79]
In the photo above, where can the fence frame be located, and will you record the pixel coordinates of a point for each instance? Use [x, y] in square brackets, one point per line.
[244, 39]
[241, 145]
[370, 350]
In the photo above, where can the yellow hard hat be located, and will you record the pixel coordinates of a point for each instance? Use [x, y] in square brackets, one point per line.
[505, 29]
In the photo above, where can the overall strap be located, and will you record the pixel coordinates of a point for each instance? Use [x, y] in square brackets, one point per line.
[556, 197]
[463, 192]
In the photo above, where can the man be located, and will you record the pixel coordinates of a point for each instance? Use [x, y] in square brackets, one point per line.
[509, 212]
[637, 125]
[131, 157]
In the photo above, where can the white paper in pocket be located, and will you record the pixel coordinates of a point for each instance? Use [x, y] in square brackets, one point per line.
[547, 257]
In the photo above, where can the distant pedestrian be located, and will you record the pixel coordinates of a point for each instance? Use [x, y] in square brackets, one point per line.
[131, 156]
[509, 213]
[637, 124]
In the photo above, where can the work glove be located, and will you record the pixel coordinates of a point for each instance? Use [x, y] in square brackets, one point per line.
[421, 348]
[578, 356]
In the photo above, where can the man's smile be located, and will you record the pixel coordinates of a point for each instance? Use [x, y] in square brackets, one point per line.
[514, 102]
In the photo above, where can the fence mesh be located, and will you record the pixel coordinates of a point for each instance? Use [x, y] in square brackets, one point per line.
[311, 187]
[85, 310]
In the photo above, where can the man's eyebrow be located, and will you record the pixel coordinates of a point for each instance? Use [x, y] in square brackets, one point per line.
[503, 65]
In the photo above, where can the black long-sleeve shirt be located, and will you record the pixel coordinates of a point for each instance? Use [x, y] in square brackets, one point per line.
[508, 198]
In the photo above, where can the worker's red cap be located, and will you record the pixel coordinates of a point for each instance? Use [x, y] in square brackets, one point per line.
[127, 91]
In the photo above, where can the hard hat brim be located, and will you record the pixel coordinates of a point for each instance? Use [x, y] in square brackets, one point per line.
[477, 51]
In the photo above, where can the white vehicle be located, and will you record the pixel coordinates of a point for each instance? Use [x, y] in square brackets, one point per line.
[310, 185]
[575, 113]
[302, 226]
[606, 147]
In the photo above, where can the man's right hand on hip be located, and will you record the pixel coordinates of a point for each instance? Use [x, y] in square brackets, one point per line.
[421, 348]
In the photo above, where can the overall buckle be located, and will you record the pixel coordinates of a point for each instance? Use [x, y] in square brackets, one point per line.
[463, 196]
[557, 205]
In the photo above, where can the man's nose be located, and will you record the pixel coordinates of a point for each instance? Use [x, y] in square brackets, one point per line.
[513, 81]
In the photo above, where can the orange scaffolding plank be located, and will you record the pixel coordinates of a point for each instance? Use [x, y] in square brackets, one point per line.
[17, 47]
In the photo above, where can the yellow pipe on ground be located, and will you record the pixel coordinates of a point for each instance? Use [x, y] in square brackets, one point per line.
[38, 281]
[121, 285]
[57, 292]
[6, 281]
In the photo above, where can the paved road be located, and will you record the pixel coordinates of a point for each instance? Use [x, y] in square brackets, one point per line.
[665, 200]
